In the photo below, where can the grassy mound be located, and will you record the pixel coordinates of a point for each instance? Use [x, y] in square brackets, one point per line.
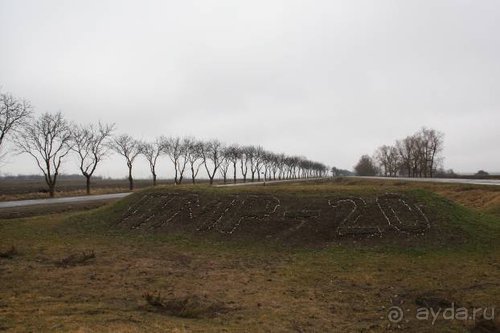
[314, 215]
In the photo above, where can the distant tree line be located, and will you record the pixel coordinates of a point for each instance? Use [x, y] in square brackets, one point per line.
[188, 155]
[417, 155]
[340, 172]
[49, 139]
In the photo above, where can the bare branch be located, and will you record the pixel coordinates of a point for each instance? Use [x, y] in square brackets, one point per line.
[48, 140]
[128, 147]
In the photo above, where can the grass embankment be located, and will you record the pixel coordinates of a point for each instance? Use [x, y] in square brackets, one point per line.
[165, 282]
[451, 225]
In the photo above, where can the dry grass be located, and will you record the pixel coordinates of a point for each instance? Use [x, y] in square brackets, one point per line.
[75, 259]
[481, 199]
[191, 306]
[266, 289]
[9, 253]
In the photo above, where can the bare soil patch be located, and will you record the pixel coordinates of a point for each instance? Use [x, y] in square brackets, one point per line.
[284, 217]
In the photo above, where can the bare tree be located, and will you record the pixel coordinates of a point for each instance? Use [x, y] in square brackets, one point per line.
[433, 141]
[233, 154]
[259, 161]
[186, 148]
[48, 140]
[293, 163]
[176, 149]
[194, 157]
[287, 167]
[280, 163]
[251, 156]
[245, 157]
[224, 165]
[91, 145]
[267, 163]
[305, 167]
[388, 159]
[14, 113]
[406, 149]
[417, 155]
[152, 151]
[274, 161]
[129, 148]
[211, 153]
[394, 161]
[381, 156]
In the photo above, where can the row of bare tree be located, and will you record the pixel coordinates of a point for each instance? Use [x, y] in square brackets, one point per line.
[417, 155]
[253, 162]
[49, 139]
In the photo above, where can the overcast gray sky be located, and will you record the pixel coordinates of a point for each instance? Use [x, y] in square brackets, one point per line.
[327, 79]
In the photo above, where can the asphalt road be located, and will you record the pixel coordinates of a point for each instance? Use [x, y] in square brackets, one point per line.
[441, 180]
[85, 198]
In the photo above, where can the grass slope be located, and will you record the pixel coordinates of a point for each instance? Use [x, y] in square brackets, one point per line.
[303, 217]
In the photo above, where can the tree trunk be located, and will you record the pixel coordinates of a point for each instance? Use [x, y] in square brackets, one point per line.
[88, 184]
[154, 179]
[130, 179]
[52, 190]
[234, 175]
